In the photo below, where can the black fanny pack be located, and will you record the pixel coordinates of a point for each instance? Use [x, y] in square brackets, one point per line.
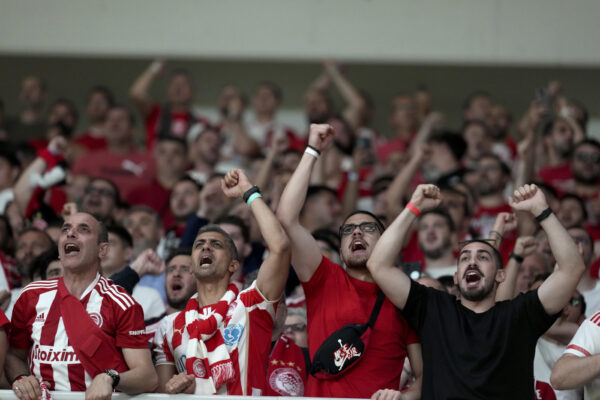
[344, 348]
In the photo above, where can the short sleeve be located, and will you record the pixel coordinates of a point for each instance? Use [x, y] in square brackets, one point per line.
[161, 349]
[20, 328]
[131, 330]
[319, 278]
[4, 322]
[586, 341]
[415, 308]
[532, 313]
[252, 299]
[412, 336]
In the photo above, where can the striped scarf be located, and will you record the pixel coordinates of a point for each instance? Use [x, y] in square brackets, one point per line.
[207, 357]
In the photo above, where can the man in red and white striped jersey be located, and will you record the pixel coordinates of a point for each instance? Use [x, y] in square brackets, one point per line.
[580, 363]
[79, 331]
[220, 342]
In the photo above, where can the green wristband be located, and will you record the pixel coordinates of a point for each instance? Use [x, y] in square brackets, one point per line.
[252, 197]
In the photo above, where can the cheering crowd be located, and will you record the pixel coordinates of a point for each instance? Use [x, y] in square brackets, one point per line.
[237, 256]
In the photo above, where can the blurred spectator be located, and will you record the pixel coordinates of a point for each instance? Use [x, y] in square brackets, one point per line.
[100, 101]
[29, 123]
[204, 142]
[180, 283]
[436, 235]
[478, 107]
[9, 171]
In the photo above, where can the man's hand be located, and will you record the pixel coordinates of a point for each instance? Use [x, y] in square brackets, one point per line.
[148, 262]
[158, 67]
[426, 197]
[505, 222]
[528, 198]
[235, 184]
[181, 383]
[525, 245]
[387, 394]
[100, 389]
[58, 146]
[68, 210]
[320, 136]
[27, 388]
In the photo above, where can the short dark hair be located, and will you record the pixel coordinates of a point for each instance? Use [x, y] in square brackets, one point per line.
[453, 190]
[122, 233]
[503, 167]
[228, 241]
[117, 197]
[273, 87]
[174, 139]
[104, 91]
[378, 222]
[579, 200]
[102, 231]
[588, 141]
[455, 142]
[180, 251]
[328, 236]
[34, 229]
[70, 105]
[495, 252]
[10, 156]
[237, 221]
[442, 213]
[41, 262]
[472, 96]
[130, 114]
[188, 178]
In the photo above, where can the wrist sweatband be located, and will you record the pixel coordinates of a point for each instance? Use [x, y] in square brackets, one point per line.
[253, 197]
[250, 192]
[497, 233]
[413, 209]
[544, 214]
[517, 257]
[312, 151]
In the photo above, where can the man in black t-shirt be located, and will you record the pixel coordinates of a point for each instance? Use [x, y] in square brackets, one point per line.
[475, 348]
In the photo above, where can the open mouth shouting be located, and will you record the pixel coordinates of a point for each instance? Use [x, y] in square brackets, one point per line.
[473, 276]
[71, 249]
[206, 260]
[358, 246]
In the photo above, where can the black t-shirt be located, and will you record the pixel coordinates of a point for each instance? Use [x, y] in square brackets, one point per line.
[476, 356]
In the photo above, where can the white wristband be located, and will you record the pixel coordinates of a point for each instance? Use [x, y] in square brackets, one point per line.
[312, 152]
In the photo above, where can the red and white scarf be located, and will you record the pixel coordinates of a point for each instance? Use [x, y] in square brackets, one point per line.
[207, 357]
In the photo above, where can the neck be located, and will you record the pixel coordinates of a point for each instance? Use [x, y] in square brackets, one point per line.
[31, 115]
[167, 180]
[108, 271]
[447, 166]
[362, 274]
[171, 310]
[211, 292]
[480, 306]
[77, 281]
[447, 259]
[492, 200]
[555, 159]
[264, 118]
[96, 129]
[180, 107]
[586, 283]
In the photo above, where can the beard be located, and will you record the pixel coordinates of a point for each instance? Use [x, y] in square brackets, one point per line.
[437, 252]
[487, 188]
[178, 304]
[356, 263]
[476, 295]
[584, 179]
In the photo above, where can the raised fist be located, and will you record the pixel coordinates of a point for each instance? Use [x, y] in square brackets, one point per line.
[426, 197]
[148, 262]
[525, 245]
[528, 198]
[320, 136]
[235, 184]
[58, 145]
[505, 222]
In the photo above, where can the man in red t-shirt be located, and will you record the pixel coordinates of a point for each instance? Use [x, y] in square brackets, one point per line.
[171, 118]
[336, 297]
[46, 340]
[100, 100]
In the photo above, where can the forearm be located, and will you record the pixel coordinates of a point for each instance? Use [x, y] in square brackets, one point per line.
[562, 331]
[263, 176]
[562, 245]
[270, 227]
[23, 189]
[390, 243]
[571, 372]
[242, 142]
[141, 379]
[294, 194]
[506, 290]
[414, 391]
[350, 194]
[16, 365]
[140, 88]
[400, 185]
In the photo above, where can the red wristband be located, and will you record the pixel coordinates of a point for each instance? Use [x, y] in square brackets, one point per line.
[413, 209]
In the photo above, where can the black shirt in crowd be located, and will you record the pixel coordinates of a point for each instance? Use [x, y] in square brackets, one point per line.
[468, 355]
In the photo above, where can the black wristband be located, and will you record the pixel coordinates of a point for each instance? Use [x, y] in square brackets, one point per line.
[517, 257]
[544, 214]
[250, 192]
[314, 148]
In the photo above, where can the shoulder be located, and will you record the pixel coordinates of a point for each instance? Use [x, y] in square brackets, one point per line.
[114, 293]
[38, 287]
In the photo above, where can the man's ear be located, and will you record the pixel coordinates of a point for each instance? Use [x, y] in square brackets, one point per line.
[455, 278]
[500, 275]
[103, 251]
[234, 265]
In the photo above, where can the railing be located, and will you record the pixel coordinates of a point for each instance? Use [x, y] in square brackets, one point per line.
[9, 395]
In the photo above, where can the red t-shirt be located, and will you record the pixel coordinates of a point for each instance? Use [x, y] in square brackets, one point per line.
[127, 171]
[4, 322]
[334, 299]
[556, 176]
[180, 124]
[155, 196]
[91, 142]
[387, 147]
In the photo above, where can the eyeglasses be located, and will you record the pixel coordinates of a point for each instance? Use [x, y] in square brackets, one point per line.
[366, 227]
[100, 191]
[299, 327]
[587, 157]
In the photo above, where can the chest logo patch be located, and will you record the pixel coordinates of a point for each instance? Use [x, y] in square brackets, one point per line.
[344, 353]
[97, 318]
[286, 382]
[232, 334]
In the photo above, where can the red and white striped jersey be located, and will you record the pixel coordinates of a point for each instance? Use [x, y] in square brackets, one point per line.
[38, 326]
[246, 332]
[586, 343]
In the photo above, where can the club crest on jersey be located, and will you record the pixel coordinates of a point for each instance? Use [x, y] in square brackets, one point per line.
[287, 382]
[232, 334]
[344, 353]
[97, 318]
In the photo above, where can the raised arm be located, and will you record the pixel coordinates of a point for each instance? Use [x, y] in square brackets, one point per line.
[556, 291]
[392, 280]
[524, 246]
[306, 255]
[139, 92]
[398, 188]
[273, 272]
[354, 101]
